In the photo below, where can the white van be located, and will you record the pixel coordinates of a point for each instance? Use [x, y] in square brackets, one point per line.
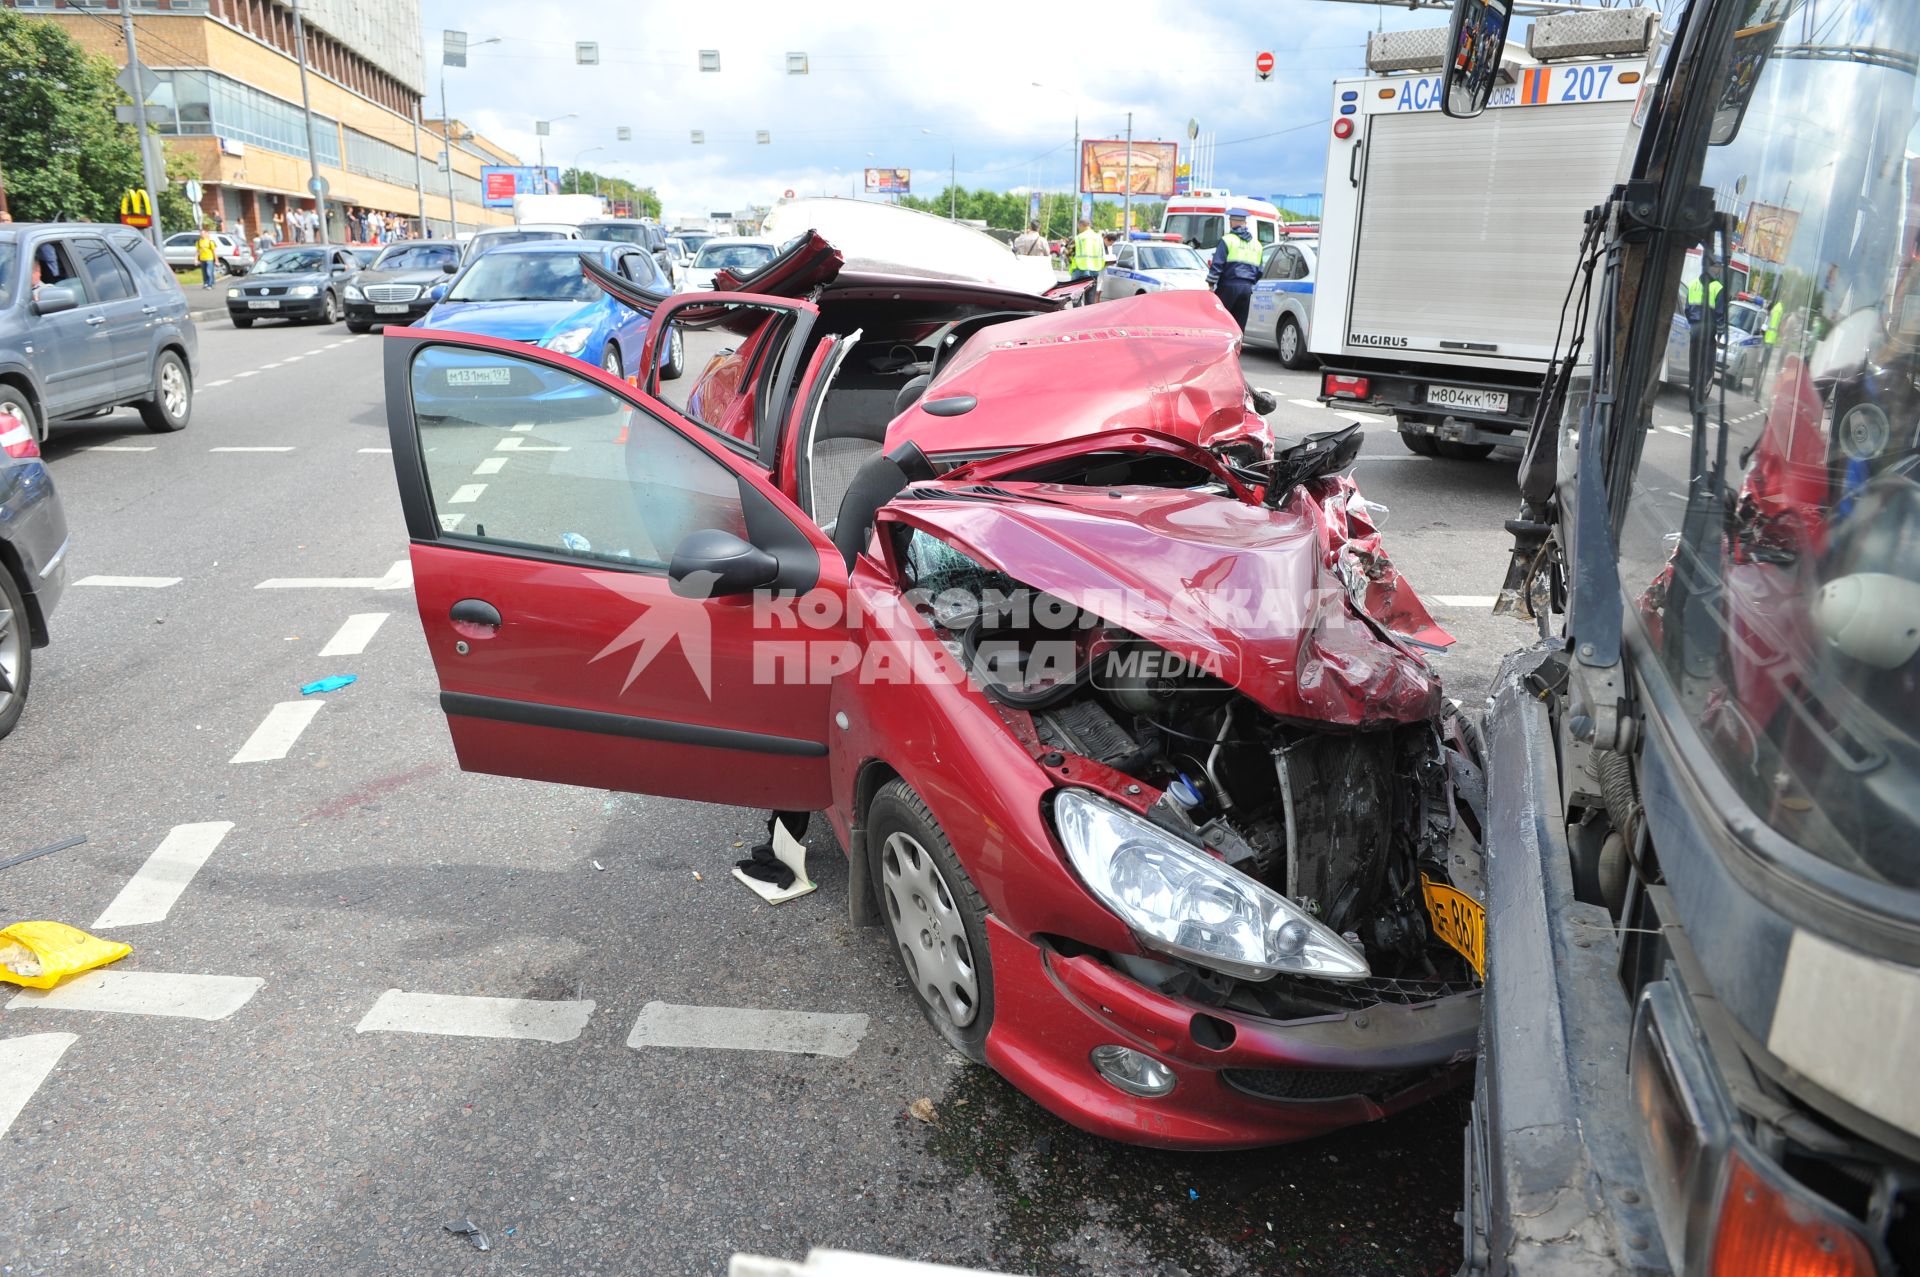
[1199, 218]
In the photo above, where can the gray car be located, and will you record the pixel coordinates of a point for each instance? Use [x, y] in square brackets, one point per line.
[33, 562]
[91, 319]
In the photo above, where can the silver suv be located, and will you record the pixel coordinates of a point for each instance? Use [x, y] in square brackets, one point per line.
[91, 319]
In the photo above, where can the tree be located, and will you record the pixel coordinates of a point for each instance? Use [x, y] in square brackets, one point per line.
[64, 153]
[177, 212]
[643, 198]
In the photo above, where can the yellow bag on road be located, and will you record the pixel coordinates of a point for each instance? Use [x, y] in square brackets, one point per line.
[42, 954]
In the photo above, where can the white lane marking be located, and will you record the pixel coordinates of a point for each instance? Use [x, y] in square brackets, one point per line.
[466, 494]
[460, 1016]
[290, 359]
[131, 582]
[523, 426]
[1464, 600]
[249, 449]
[278, 731]
[398, 577]
[319, 350]
[492, 465]
[386, 450]
[209, 385]
[188, 997]
[1309, 403]
[514, 443]
[24, 1064]
[747, 1029]
[450, 522]
[336, 345]
[249, 373]
[121, 447]
[150, 894]
[264, 367]
[352, 638]
[1675, 430]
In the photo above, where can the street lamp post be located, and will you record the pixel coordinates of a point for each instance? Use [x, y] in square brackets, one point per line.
[576, 170]
[306, 108]
[541, 128]
[446, 140]
[953, 174]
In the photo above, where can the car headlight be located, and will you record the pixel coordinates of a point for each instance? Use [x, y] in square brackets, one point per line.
[570, 342]
[233, 294]
[303, 290]
[1181, 901]
[354, 294]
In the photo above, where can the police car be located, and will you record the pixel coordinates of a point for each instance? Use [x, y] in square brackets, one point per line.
[1158, 265]
[1281, 312]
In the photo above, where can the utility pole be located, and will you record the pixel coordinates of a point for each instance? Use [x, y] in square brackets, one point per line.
[446, 155]
[419, 180]
[1126, 186]
[953, 184]
[147, 174]
[314, 182]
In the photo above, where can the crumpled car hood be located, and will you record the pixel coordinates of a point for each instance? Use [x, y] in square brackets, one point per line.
[1238, 589]
[1167, 361]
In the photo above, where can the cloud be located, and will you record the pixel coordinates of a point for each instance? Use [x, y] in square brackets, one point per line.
[945, 85]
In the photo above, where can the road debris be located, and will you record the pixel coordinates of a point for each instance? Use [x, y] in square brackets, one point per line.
[40, 955]
[465, 1228]
[777, 869]
[25, 856]
[597, 865]
[922, 1109]
[332, 683]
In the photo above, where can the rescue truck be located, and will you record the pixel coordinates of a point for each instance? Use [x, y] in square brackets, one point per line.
[1445, 245]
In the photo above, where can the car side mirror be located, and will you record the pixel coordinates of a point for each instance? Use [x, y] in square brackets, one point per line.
[449, 268]
[712, 564]
[437, 293]
[1476, 38]
[1264, 401]
[51, 299]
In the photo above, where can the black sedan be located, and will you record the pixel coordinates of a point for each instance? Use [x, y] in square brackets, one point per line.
[395, 289]
[303, 283]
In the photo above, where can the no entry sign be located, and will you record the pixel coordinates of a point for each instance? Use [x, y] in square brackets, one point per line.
[1263, 65]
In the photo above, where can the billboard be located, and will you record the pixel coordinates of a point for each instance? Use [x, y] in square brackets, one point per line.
[1103, 167]
[1770, 231]
[889, 181]
[500, 183]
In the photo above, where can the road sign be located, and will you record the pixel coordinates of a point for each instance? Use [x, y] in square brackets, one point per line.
[147, 80]
[787, 194]
[1263, 65]
[1193, 129]
[318, 186]
[191, 190]
[623, 133]
[136, 209]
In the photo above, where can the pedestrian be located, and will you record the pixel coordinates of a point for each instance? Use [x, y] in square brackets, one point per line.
[1089, 252]
[207, 253]
[1235, 267]
[1030, 242]
[1770, 338]
[279, 231]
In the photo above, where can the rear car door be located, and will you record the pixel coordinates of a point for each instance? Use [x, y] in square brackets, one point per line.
[553, 514]
[128, 317]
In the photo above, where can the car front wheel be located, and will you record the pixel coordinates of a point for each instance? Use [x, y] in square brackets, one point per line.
[172, 402]
[329, 309]
[676, 357]
[1291, 343]
[935, 917]
[14, 404]
[16, 653]
[611, 361]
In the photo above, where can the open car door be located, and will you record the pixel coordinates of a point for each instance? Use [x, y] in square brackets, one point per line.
[589, 567]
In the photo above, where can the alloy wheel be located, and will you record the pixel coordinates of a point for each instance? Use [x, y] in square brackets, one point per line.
[10, 406]
[1864, 431]
[13, 641]
[929, 930]
[173, 390]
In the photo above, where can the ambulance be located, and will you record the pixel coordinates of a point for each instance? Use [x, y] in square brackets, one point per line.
[1199, 218]
[1446, 245]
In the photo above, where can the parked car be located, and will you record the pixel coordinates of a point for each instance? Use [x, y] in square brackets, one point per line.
[304, 284]
[693, 240]
[1280, 313]
[1741, 344]
[1148, 267]
[536, 293]
[33, 561]
[639, 232]
[740, 254]
[396, 287]
[488, 238]
[182, 252]
[91, 318]
[1169, 863]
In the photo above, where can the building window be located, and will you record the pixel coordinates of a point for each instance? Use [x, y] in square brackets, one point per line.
[370, 157]
[205, 103]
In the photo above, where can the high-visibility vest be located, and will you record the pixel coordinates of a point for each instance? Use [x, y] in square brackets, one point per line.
[1243, 250]
[1695, 293]
[1089, 251]
[1773, 324]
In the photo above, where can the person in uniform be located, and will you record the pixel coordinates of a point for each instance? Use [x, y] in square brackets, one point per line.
[1089, 252]
[1235, 267]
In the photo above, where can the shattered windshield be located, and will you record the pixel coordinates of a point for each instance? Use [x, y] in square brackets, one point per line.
[1771, 539]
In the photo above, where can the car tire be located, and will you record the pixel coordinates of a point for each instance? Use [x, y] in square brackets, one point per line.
[1454, 450]
[329, 308]
[1421, 445]
[171, 406]
[676, 357]
[359, 326]
[934, 916]
[15, 403]
[242, 321]
[1291, 344]
[610, 362]
[16, 653]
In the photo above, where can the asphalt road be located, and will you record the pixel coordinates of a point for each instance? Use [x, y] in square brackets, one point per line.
[311, 1120]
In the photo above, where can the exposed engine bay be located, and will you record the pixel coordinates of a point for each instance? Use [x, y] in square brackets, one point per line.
[1342, 819]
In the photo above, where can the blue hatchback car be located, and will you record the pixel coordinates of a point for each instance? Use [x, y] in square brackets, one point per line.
[537, 293]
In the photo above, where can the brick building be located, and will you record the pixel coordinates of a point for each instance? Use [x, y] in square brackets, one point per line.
[226, 91]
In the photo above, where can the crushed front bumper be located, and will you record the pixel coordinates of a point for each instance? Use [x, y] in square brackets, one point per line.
[1243, 1081]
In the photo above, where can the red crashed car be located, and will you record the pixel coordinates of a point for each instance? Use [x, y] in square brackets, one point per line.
[1120, 715]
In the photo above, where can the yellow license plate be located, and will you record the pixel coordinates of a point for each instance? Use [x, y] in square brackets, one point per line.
[1458, 919]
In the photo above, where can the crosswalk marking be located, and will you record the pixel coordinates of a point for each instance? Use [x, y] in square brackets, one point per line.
[278, 731]
[152, 891]
[398, 577]
[667, 1024]
[462, 1016]
[190, 997]
[354, 634]
[131, 582]
[25, 1062]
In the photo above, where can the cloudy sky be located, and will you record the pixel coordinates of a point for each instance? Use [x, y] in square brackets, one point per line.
[900, 86]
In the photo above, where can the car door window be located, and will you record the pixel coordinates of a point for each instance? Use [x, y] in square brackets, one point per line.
[107, 279]
[1123, 256]
[148, 265]
[56, 266]
[726, 368]
[521, 456]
